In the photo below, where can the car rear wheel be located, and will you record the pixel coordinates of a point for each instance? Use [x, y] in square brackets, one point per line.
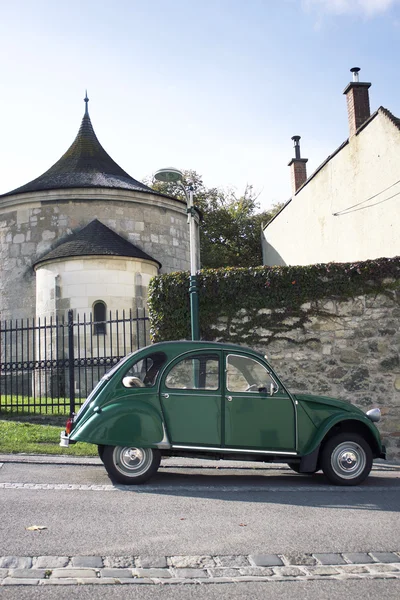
[346, 459]
[100, 450]
[130, 465]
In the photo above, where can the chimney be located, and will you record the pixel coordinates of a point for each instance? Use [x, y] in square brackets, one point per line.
[297, 166]
[357, 96]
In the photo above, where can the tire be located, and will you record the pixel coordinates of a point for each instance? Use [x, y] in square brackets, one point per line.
[346, 459]
[129, 465]
[100, 450]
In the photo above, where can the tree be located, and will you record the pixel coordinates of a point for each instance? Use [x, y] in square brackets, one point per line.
[230, 231]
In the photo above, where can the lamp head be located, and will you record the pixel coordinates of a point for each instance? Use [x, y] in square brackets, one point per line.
[169, 175]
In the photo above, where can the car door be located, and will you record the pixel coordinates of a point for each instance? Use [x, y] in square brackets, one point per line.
[259, 414]
[191, 399]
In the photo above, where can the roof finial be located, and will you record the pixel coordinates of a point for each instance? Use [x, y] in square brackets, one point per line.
[86, 99]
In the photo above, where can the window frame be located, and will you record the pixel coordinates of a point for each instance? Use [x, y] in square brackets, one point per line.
[190, 356]
[99, 325]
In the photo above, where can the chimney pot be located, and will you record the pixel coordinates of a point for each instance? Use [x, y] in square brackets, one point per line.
[297, 166]
[357, 96]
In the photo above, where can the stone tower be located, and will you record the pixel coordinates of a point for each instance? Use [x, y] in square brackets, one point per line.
[86, 234]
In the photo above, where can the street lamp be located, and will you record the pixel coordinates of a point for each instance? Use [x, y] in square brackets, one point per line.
[172, 175]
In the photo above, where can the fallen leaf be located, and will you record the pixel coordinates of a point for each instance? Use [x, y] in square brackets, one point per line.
[36, 527]
[242, 525]
[183, 519]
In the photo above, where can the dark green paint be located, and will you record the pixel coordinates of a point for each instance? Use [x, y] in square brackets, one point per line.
[282, 422]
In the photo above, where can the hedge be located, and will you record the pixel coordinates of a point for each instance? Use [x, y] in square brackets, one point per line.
[224, 292]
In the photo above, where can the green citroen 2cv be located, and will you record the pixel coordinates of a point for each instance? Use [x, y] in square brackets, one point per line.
[214, 400]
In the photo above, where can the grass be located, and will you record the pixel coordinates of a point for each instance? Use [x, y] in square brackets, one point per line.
[37, 434]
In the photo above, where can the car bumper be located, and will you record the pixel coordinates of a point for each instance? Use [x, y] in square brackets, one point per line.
[64, 440]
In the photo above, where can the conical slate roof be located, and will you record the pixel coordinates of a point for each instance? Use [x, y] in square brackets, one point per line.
[96, 239]
[84, 165]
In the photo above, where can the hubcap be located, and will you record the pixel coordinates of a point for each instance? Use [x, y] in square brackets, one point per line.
[132, 461]
[348, 460]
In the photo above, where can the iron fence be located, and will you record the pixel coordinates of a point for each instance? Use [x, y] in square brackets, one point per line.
[51, 365]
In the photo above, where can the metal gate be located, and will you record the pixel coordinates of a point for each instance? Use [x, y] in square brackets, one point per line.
[51, 365]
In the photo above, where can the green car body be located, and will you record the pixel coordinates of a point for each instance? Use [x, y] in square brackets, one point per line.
[214, 400]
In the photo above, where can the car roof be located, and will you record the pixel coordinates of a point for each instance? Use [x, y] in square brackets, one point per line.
[183, 345]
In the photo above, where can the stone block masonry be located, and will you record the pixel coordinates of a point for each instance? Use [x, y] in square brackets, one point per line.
[345, 349]
[167, 570]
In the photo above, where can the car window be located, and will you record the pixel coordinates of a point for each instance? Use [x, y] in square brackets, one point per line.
[245, 374]
[199, 372]
[147, 369]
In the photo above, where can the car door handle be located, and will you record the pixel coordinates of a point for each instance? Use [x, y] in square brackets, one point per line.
[165, 395]
[229, 398]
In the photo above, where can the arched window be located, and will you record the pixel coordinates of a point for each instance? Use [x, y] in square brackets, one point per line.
[99, 317]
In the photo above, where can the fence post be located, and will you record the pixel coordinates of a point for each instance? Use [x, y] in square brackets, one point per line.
[71, 358]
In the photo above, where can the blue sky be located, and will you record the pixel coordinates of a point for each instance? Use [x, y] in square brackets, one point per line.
[218, 86]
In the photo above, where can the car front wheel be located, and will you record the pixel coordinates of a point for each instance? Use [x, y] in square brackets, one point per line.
[346, 459]
[130, 465]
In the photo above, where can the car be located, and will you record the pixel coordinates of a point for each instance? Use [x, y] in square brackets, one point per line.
[219, 401]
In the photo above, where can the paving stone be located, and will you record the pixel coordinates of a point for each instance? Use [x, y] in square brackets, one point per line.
[224, 572]
[136, 581]
[15, 562]
[165, 573]
[265, 560]
[300, 558]
[358, 558]
[28, 573]
[3, 573]
[323, 571]
[119, 562]
[97, 581]
[51, 562]
[118, 573]
[62, 581]
[190, 573]
[95, 562]
[328, 558]
[290, 572]
[152, 562]
[12, 581]
[385, 557]
[256, 571]
[354, 569]
[232, 561]
[191, 562]
[61, 573]
[382, 568]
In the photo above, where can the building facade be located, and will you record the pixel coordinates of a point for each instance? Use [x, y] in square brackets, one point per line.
[349, 208]
[86, 235]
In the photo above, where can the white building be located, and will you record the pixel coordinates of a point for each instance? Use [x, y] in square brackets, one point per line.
[349, 208]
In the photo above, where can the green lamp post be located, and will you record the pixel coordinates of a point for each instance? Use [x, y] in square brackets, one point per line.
[171, 175]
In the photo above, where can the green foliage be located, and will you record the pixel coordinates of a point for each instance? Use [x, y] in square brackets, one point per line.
[230, 230]
[225, 292]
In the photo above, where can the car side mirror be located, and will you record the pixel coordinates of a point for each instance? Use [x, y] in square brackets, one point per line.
[132, 382]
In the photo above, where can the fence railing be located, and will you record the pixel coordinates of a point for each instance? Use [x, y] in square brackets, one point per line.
[51, 365]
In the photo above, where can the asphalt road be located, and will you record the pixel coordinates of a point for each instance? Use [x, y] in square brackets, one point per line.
[312, 590]
[192, 507]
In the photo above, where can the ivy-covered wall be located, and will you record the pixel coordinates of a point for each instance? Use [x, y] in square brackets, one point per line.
[331, 329]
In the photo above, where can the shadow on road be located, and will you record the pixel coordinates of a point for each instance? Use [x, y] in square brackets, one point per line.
[377, 493]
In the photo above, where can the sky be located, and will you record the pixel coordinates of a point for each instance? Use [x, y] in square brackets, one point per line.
[217, 86]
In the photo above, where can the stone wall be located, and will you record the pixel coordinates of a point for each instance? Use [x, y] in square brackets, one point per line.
[349, 350]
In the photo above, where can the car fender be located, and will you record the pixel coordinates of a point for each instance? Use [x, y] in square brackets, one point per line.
[335, 419]
[120, 423]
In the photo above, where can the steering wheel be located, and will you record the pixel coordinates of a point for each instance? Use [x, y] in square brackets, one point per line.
[252, 388]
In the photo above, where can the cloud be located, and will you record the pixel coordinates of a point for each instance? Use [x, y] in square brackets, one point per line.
[368, 8]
